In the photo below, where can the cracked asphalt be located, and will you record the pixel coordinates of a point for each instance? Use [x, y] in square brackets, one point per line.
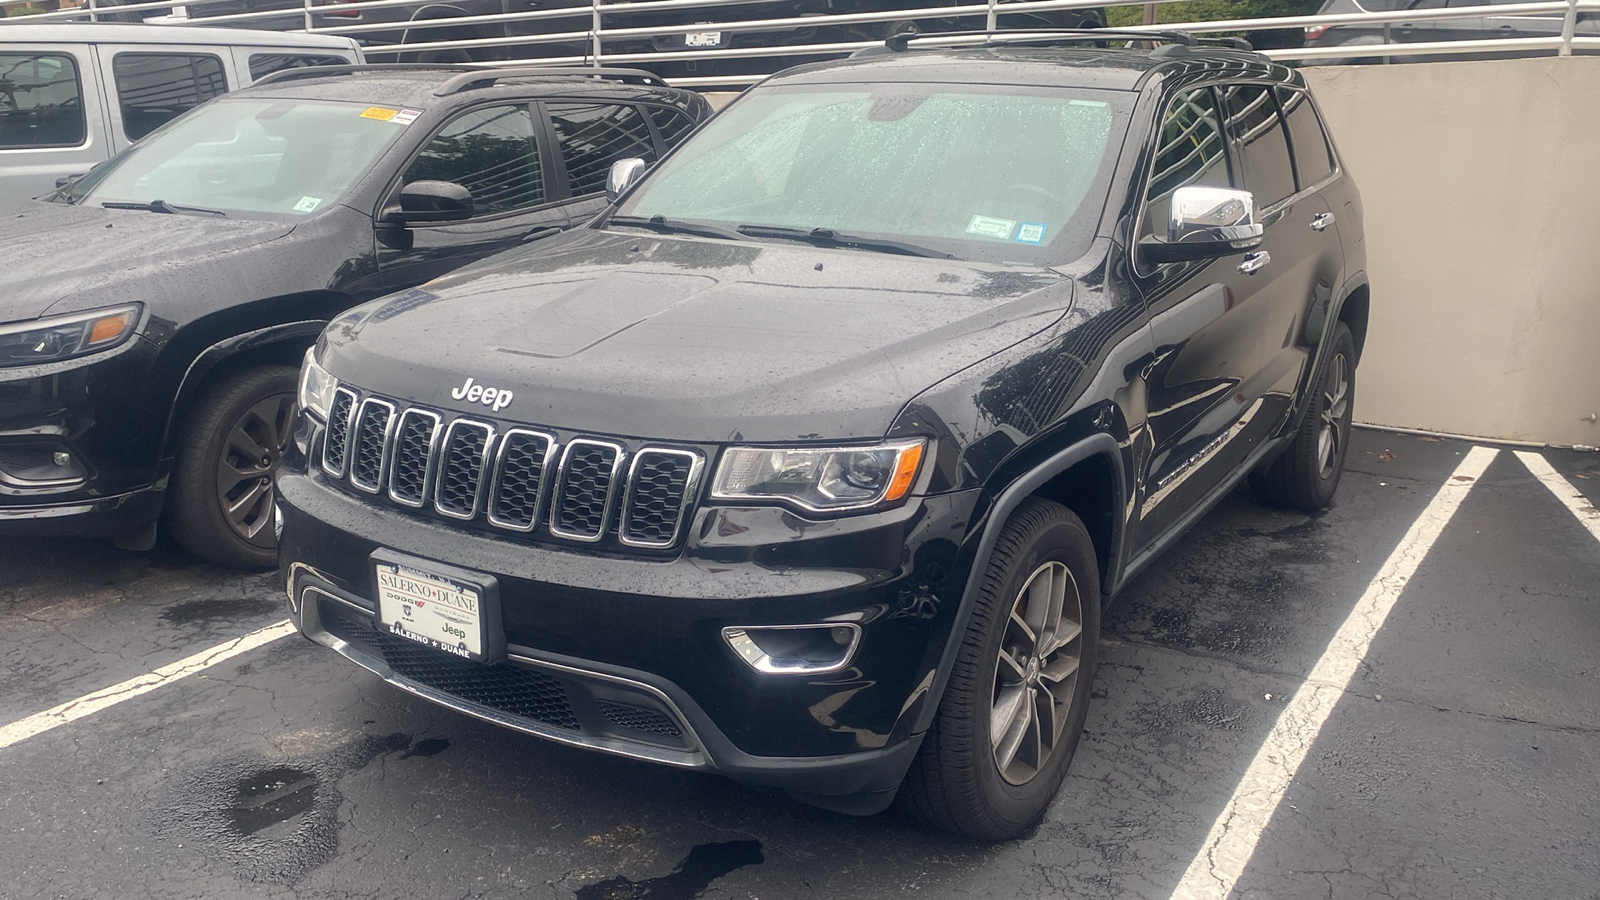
[1462, 762]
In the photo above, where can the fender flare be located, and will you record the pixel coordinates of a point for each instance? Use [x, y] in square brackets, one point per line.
[1353, 283]
[194, 377]
[999, 512]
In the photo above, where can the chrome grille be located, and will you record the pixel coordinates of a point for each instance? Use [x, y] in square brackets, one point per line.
[338, 434]
[653, 508]
[370, 443]
[414, 444]
[582, 504]
[521, 480]
[466, 446]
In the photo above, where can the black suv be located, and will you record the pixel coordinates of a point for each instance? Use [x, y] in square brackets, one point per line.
[814, 459]
[153, 317]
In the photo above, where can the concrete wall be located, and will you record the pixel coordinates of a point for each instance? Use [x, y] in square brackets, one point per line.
[1481, 182]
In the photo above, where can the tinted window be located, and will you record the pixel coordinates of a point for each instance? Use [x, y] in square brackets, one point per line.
[492, 153]
[1267, 170]
[264, 64]
[1305, 133]
[593, 136]
[1190, 151]
[40, 101]
[156, 87]
[673, 126]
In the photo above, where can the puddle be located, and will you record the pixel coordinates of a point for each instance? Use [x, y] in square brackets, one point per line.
[270, 797]
[704, 864]
[427, 747]
[218, 610]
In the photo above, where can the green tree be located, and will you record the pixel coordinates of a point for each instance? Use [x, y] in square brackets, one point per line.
[1211, 11]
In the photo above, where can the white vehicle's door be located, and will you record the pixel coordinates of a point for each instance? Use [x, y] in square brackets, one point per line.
[52, 120]
[149, 85]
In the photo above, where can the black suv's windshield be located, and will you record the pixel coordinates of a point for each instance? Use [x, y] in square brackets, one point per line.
[247, 157]
[998, 174]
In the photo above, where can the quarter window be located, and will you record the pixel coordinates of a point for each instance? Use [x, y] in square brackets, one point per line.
[490, 152]
[154, 88]
[1265, 151]
[593, 136]
[1191, 151]
[1311, 156]
[41, 103]
[671, 125]
[264, 64]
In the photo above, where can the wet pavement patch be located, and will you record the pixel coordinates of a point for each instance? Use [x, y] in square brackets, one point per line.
[427, 747]
[219, 610]
[267, 798]
[704, 864]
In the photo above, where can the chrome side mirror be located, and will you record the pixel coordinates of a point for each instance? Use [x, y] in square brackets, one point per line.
[624, 172]
[1206, 223]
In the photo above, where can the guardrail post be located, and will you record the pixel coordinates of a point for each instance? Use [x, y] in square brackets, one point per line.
[308, 15]
[992, 17]
[594, 30]
[94, 11]
[1568, 25]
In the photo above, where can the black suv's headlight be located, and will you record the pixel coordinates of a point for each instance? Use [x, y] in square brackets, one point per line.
[56, 338]
[820, 479]
[316, 386]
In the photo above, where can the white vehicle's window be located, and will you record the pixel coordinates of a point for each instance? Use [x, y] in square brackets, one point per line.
[154, 88]
[41, 104]
[977, 173]
[286, 157]
[264, 64]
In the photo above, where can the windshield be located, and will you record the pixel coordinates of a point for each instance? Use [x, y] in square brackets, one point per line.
[275, 157]
[1009, 174]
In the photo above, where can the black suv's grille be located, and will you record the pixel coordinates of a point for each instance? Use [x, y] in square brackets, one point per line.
[521, 480]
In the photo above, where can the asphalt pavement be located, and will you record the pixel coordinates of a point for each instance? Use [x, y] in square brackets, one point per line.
[1461, 759]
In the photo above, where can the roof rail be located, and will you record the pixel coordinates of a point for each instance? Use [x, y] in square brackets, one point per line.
[901, 42]
[319, 71]
[485, 76]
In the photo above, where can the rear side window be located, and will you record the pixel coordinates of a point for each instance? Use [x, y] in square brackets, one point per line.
[492, 153]
[154, 88]
[1311, 155]
[1265, 151]
[41, 101]
[671, 125]
[1191, 150]
[264, 64]
[595, 135]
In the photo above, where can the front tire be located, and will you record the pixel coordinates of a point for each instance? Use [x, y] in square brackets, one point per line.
[221, 501]
[1306, 475]
[1014, 708]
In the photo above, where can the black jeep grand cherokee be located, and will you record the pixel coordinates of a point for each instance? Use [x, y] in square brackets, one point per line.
[813, 460]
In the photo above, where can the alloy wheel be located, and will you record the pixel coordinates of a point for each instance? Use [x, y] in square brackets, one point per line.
[250, 452]
[1036, 672]
[1335, 407]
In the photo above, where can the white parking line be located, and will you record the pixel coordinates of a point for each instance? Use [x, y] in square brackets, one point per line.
[1233, 836]
[1564, 491]
[73, 710]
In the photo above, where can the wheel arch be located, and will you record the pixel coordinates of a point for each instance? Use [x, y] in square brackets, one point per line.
[1354, 310]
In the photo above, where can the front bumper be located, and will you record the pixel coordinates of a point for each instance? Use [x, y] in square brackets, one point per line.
[626, 654]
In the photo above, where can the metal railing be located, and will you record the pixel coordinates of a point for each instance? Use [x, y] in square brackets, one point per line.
[609, 32]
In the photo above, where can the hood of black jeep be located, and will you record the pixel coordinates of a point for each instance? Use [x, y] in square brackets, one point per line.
[689, 339]
[64, 258]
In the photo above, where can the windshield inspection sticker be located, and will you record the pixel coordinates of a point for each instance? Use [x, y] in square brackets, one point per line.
[1030, 233]
[991, 227]
[307, 204]
[379, 113]
[406, 116]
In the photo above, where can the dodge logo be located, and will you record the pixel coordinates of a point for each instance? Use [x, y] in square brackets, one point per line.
[494, 398]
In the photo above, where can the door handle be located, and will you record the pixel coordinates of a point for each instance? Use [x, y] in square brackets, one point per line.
[1254, 262]
[1321, 221]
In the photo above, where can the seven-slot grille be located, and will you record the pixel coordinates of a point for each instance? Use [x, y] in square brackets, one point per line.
[515, 481]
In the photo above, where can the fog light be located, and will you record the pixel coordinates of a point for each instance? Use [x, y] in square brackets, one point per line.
[61, 458]
[795, 649]
[36, 467]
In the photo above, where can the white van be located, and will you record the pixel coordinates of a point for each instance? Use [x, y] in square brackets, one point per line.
[73, 94]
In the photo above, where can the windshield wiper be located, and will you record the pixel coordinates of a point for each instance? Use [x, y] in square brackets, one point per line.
[827, 237]
[162, 206]
[675, 226]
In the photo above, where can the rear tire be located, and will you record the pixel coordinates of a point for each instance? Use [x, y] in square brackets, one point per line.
[220, 503]
[1024, 670]
[1306, 475]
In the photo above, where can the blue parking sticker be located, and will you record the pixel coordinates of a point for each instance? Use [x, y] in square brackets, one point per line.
[1030, 233]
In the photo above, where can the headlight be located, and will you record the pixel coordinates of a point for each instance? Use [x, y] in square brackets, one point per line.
[822, 479]
[64, 337]
[316, 386]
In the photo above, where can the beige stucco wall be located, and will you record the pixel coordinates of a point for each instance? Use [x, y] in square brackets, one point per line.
[1481, 182]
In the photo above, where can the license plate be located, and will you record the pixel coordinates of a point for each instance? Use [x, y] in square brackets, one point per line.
[436, 609]
[702, 39]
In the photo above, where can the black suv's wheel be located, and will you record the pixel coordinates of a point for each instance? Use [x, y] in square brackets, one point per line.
[220, 500]
[1306, 475]
[1014, 707]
